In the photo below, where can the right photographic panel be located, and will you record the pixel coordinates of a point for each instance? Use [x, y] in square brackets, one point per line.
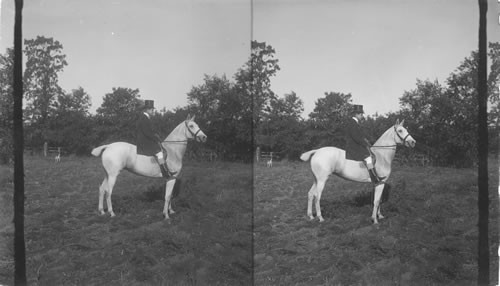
[366, 142]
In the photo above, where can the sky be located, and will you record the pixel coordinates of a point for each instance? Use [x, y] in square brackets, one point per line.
[374, 50]
[163, 48]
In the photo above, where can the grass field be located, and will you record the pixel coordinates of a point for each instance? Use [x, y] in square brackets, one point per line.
[6, 226]
[429, 235]
[208, 241]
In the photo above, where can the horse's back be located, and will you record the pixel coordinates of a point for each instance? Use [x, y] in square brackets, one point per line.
[327, 160]
[332, 160]
[118, 155]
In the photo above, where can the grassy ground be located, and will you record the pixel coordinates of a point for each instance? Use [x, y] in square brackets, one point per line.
[207, 242]
[429, 236]
[6, 226]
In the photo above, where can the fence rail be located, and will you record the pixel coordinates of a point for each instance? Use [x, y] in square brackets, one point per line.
[414, 159]
[205, 155]
[45, 150]
[265, 156]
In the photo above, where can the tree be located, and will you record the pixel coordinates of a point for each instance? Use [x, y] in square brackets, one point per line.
[121, 102]
[44, 61]
[253, 81]
[444, 116]
[117, 114]
[71, 126]
[205, 100]
[221, 111]
[6, 105]
[283, 127]
[78, 101]
[290, 106]
[327, 119]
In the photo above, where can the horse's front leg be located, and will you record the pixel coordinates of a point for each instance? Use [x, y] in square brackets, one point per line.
[170, 210]
[376, 204]
[379, 214]
[168, 196]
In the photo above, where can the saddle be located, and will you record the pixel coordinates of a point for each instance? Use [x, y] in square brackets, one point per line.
[374, 159]
[167, 174]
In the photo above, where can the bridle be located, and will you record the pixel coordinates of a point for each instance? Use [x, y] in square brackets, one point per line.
[184, 141]
[395, 145]
[192, 133]
[402, 139]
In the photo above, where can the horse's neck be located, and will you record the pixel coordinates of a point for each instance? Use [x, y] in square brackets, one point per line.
[387, 139]
[385, 149]
[176, 142]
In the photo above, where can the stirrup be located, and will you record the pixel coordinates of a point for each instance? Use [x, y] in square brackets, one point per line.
[374, 176]
[164, 171]
[164, 168]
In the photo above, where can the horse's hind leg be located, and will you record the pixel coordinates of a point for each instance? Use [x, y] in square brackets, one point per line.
[320, 185]
[310, 198]
[102, 190]
[111, 183]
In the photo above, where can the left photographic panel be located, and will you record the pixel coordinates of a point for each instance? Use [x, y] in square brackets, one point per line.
[138, 150]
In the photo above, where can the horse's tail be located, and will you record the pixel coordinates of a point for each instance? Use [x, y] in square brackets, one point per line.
[307, 155]
[98, 150]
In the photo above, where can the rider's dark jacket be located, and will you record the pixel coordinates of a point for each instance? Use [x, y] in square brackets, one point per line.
[357, 143]
[146, 139]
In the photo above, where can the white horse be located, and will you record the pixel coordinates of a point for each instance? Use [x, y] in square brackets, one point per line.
[332, 160]
[120, 155]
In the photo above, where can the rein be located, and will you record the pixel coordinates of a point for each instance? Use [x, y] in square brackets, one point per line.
[177, 141]
[384, 146]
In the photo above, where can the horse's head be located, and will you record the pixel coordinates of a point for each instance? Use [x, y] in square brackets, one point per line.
[194, 130]
[403, 137]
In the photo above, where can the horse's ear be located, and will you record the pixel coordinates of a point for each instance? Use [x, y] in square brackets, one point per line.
[397, 122]
[402, 122]
[188, 117]
[192, 118]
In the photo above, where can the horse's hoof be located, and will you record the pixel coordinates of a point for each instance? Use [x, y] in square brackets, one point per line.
[381, 217]
[101, 212]
[112, 214]
[166, 217]
[171, 212]
[321, 219]
[311, 217]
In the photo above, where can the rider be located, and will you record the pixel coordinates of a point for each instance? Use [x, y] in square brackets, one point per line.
[148, 142]
[358, 147]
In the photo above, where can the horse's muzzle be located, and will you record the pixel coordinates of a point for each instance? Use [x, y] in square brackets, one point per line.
[410, 142]
[201, 138]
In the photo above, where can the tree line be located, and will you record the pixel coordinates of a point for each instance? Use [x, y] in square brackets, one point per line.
[242, 112]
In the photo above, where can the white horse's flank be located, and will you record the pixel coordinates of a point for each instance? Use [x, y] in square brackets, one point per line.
[120, 155]
[332, 160]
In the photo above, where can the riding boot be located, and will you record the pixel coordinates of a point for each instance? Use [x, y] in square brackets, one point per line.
[374, 176]
[164, 170]
[163, 167]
